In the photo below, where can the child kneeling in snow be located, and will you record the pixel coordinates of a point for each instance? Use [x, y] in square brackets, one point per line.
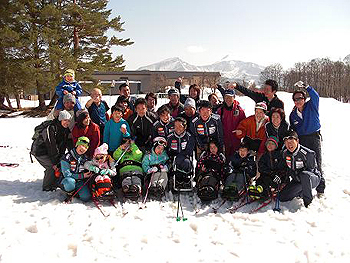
[103, 166]
[74, 172]
[154, 165]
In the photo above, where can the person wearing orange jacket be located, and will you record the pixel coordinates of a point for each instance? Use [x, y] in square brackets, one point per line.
[252, 129]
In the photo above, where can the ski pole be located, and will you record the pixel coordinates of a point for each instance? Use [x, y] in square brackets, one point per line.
[277, 202]
[144, 201]
[121, 156]
[79, 189]
[245, 183]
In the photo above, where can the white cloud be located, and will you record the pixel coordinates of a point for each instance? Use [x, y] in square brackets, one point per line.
[195, 49]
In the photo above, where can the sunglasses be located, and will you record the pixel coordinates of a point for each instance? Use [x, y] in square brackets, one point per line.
[299, 99]
[97, 158]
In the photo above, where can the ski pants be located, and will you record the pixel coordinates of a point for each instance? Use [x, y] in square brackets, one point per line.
[131, 178]
[313, 142]
[308, 181]
[236, 178]
[183, 164]
[50, 182]
[70, 184]
[159, 178]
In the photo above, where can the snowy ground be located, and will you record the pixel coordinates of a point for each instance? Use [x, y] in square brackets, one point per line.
[37, 226]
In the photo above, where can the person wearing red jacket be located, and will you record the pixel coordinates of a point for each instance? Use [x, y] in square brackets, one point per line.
[231, 115]
[85, 127]
[252, 129]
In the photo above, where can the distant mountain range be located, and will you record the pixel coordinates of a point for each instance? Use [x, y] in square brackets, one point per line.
[229, 69]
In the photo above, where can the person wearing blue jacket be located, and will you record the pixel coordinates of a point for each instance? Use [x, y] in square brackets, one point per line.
[74, 173]
[304, 119]
[154, 165]
[115, 129]
[68, 85]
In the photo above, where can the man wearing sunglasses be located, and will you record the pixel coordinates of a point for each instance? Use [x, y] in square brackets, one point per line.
[304, 119]
[301, 166]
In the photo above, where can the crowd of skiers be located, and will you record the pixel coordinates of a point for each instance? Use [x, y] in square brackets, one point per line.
[88, 153]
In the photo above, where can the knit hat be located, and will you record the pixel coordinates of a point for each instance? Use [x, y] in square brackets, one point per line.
[102, 149]
[273, 139]
[190, 103]
[173, 91]
[64, 115]
[69, 72]
[230, 92]
[261, 105]
[83, 141]
[68, 97]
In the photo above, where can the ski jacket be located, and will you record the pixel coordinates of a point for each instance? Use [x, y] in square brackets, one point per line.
[280, 132]
[230, 118]
[92, 132]
[302, 159]
[204, 131]
[188, 119]
[183, 144]
[98, 113]
[52, 141]
[260, 97]
[214, 162]
[70, 87]
[72, 165]
[141, 129]
[176, 110]
[112, 134]
[310, 121]
[271, 163]
[161, 129]
[251, 135]
[152, 159]
[133, 154]
[240, 164]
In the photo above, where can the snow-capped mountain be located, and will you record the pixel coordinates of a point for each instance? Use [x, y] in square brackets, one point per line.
[229, 69]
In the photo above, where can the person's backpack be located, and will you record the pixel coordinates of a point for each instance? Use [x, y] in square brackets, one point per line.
[37, 137]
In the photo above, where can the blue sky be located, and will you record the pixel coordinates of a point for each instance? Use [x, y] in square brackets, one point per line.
[263, 32]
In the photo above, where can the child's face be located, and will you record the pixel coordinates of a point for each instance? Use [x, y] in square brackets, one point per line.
[159, 149]
[270, 146]
[100, 158]
[243, 152]
[81, 149]
[141, 109]
[65, 123]
[165, 117]
[213, 149]
[69, 78]
[117, 115]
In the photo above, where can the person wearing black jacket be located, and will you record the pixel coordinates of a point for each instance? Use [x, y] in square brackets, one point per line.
[300, 163]
[180, 146]
[50, 146]
[165, 125]
[278, 126]
[141, 124]
[268, 95]
[270, 166]
[206, 127]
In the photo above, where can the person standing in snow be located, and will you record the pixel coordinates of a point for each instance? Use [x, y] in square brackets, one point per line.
[174, 104]
[304, 119]
[300, 164]
[278, 126]
[231, 115]
[268, 95]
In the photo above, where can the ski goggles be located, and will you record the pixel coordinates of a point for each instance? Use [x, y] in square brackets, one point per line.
[99, 157]
[290, 138]
[298, 99]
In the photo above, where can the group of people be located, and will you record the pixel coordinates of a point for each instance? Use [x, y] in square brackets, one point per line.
[141, 148]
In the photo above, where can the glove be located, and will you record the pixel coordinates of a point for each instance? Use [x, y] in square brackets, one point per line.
[300, 84]
[153, 170]
[94, 169]
[107, 172]
[277, 179]
[164, 168]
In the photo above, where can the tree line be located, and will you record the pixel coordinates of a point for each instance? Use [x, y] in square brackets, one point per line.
[329, 78]
[39, 39]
